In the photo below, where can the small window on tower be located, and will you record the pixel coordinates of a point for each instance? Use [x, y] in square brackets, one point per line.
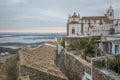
[110, 13]
[73, 30]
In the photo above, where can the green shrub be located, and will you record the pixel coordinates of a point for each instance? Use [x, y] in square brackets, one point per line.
[83, 43]
[63, 42]
[72, 47]
[114, 64]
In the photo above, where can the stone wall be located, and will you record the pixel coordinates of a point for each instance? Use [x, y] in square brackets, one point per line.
[98, 75]
[78, 52]
[75, 68]
[37, 75]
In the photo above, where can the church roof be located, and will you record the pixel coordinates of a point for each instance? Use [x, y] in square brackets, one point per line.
[104, 18]
[74, 22]
[74, 16]
[93, 17]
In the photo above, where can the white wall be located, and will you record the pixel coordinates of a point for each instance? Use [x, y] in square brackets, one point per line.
[73, 19]
[117, 28]
[77, 28]
[103, 29]
[85, 29]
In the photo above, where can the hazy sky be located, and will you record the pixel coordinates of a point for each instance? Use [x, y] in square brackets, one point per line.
[37, 15]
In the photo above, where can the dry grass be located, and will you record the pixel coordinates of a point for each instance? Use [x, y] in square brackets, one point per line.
[9, 69]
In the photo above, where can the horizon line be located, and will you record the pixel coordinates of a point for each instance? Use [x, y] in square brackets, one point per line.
[34, 31]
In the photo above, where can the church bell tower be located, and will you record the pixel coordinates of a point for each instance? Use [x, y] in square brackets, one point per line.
[110, 13]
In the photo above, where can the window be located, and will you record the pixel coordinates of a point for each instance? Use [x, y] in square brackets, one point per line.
[116, 48]
[73, 30]
[110, 13]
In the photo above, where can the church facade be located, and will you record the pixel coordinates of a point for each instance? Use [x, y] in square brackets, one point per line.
[92, 25]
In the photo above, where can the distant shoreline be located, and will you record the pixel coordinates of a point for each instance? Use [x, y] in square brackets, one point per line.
[13, 41]
[11, 50]
[20, 44]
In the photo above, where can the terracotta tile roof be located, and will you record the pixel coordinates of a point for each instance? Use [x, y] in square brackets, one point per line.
[42, 59]
[92, 17]
[104, 18]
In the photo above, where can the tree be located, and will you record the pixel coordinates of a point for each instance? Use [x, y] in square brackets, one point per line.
[83, 43]
[78, 45]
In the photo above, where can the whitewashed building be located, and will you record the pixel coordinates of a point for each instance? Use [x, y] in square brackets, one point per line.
[93, 25]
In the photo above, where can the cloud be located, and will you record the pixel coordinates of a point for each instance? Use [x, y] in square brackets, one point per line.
[11, 2]
[48, 14]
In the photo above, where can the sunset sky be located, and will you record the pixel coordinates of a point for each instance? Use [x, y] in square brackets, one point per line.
[48, 15]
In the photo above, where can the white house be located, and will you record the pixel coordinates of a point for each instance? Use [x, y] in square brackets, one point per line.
[108, 47]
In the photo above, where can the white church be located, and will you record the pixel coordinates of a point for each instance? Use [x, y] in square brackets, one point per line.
[78, 26]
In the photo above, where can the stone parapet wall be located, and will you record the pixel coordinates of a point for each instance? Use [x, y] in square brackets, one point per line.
[75, 69]
[98, 75]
